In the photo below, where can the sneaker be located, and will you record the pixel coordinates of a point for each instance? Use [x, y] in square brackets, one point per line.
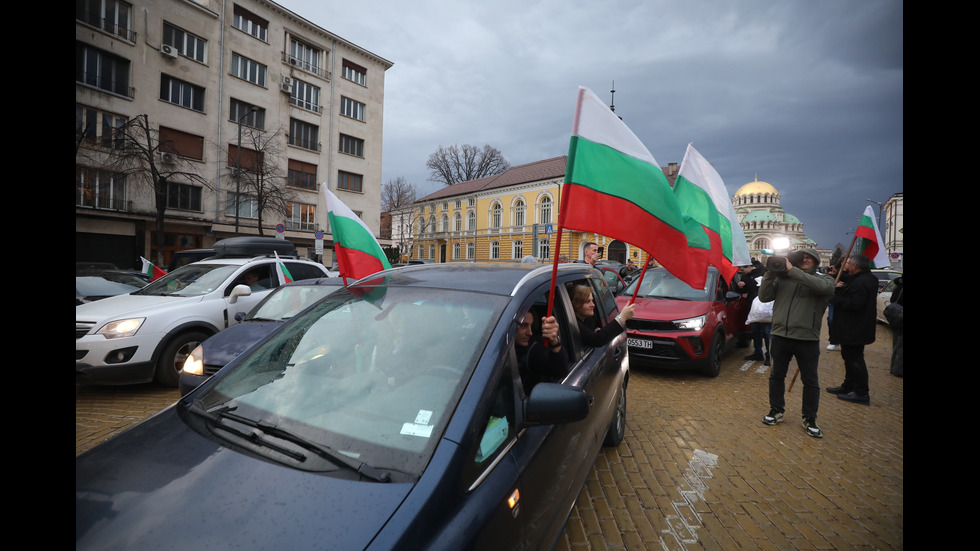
[773, 417]
[831, 347]
[757, 357]
[811, 428]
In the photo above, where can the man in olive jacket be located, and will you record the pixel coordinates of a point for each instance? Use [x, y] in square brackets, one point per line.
[801, 296]
[854, 325]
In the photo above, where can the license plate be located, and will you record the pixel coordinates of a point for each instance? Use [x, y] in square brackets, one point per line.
[639, 343]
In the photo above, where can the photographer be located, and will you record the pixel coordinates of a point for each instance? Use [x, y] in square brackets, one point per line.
[800, 298]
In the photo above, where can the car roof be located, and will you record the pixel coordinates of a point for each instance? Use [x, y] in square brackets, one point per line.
[498, 279]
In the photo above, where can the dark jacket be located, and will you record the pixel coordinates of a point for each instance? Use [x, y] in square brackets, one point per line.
[593, 338]
[855, 309]
[538, 363]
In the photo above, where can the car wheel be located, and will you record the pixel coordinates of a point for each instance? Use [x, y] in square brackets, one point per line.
[172, 358]
[712, 365]
[617, 427]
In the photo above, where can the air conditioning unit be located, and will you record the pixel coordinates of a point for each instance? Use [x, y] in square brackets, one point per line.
[287, 80]
[286, 87]
[293, 61]
[168, 158]
[168, 50]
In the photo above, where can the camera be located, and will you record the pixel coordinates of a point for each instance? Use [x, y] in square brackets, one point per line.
[777, 263]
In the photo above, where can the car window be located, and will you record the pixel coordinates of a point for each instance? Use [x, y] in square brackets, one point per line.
[498, 427]
[889, 287]
[659, 283]
[191, 280]
[289, 300]
[304, 270]
[374, 372]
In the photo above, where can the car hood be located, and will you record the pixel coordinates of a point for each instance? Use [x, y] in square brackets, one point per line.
[225, 346]
[129, 305]
[162, 485]
[666, 309]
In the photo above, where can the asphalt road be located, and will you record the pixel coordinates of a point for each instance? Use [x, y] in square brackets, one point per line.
[698, 469]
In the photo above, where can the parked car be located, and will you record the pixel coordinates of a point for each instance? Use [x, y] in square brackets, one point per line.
[884, 299]
[678, 326]
[275, 309]
[146, 335]
[390, 415]
[884, 276]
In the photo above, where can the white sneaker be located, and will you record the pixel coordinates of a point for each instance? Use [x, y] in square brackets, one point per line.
[831, 347]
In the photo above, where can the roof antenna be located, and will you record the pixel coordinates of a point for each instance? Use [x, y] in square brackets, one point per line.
[612, 98]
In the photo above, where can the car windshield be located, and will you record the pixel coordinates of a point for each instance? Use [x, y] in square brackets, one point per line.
[659, 283]
[374, 375]
[288, 300]
[97, 286]
[191, 280]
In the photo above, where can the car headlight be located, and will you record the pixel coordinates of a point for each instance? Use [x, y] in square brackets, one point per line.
[691, 324]
[194, 364]
[121, 328]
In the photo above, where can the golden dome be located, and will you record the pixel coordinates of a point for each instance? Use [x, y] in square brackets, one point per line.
[755, 187]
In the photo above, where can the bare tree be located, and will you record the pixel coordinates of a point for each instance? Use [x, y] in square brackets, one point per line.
[454, 164]
[136, 152]
[261, 177]
[397, 193]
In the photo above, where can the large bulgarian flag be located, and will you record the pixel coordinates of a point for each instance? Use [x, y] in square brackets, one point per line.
[615, 187]
[702, 195]
[868, 240]
[358, 253]
[151, 269]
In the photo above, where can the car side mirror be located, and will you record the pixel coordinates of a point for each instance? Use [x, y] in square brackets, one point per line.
[239, 291]
[553, 403]
[732, 295]
[239, 316]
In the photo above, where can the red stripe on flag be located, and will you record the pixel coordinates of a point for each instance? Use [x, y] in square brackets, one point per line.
[354, 263]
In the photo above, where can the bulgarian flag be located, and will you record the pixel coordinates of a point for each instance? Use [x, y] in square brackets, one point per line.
[151, 269]
[358, 253]
[869, 242]
[615, 187]
[282, 271]
[702, 195]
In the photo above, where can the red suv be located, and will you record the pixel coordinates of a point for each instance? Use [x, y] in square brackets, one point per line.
[677, 326]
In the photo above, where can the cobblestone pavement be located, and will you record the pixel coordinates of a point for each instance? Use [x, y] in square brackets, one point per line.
[698, 469]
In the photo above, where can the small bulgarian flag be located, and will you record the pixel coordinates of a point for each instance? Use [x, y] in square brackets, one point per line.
[151, 269]
[869, 241]
[282, 271]
[358, 252]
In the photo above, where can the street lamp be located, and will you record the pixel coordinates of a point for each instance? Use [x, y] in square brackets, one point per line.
[238, 167]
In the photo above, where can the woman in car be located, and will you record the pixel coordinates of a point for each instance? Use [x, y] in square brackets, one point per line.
[584, 305]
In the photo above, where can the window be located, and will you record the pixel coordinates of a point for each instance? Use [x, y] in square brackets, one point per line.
[248, 207]
[112, 16]
[255, 119]
[351, 145]
[457, 222]
[99, 188]
[301, 175]
[303, 134]
[304, 56]
[432, 252]
[545, 210]
[432, 223]
[246, 69]
[471, 221]
[189, 45]
[305, 95]
[470, 250]
[519, 213]
[500, 428]
[183, 197]
[351, 108]
[455, 251]
[98, 128]
[181, 93]
[101, 70]
[302, 216]
[250, 159]
[181, 143]
[544, 249]
[518, 249]
[495, 211]
[250, 23]
[445, 222]
[353, 182]
[354, 72]
[494, 250]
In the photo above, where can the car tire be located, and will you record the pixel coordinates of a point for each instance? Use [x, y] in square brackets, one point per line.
[712, 364]
[172, 358]
[617, 427]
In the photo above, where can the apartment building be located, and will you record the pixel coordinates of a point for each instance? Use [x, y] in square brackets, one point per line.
[246, 104]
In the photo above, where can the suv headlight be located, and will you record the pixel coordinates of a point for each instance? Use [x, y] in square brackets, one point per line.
[194, 364]
[121, 328]
[692, 324]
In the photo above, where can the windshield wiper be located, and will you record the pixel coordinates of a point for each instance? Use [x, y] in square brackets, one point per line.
[321, 450]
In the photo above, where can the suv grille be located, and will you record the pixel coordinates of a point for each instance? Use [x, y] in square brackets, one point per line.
[650, 325]
[82, 329]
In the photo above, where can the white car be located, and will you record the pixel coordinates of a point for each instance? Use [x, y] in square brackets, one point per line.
[884, 299]
[145, 335]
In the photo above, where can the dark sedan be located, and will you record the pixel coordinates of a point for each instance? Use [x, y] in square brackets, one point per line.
[280, 305]
[390, 415]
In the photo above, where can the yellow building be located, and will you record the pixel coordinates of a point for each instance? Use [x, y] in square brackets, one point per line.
[494, 219]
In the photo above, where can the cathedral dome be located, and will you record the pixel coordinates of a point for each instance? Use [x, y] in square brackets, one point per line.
[757, 187]
[760, 216]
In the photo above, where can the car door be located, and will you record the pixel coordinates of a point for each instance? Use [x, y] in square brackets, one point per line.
[266, 282]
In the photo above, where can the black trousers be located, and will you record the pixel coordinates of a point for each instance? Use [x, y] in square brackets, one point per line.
[807, 354]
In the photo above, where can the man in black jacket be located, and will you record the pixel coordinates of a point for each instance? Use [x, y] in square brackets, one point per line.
[854, 326]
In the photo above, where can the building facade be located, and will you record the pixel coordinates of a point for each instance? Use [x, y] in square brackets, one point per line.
[894, 229]
[228, 88]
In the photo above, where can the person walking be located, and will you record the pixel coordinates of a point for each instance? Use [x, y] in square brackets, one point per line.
[854, 326]
[800, 296]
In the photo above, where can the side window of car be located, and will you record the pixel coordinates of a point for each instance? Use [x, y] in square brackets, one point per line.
[605, 299]
[498, 427]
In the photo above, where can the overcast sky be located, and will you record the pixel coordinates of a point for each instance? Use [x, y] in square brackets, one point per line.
[806, 95]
